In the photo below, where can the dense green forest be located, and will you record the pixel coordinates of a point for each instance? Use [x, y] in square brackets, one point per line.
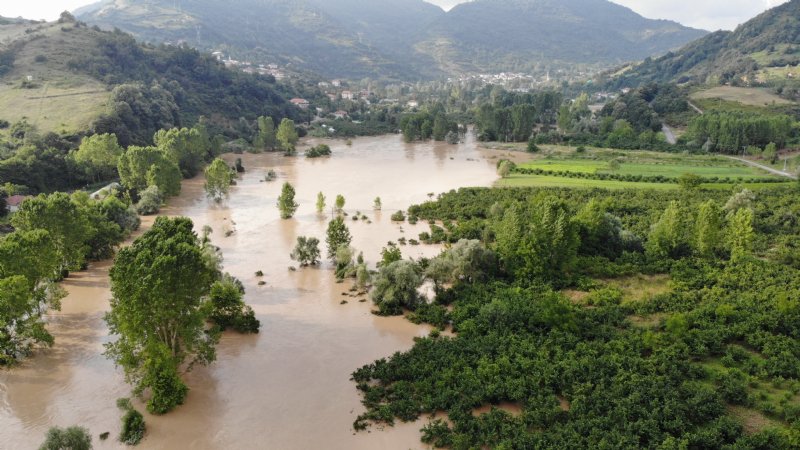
[166, 86]
[588, 363]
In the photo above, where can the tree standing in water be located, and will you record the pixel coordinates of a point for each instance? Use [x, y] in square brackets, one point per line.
[286, 202]
[159, 311]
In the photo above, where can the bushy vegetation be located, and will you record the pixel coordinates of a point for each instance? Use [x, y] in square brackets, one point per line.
[511, 117]
[71, 438]
[575, 364]
[229, 310]
[318, 151]
[133, 426]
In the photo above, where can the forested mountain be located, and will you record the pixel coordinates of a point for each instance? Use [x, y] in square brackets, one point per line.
[513, 34]
[332, 38]
[404, 39]
[765, 49]
[68, 77]
[62, 81]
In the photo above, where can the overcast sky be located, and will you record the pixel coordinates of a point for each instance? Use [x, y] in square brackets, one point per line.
[707, 14]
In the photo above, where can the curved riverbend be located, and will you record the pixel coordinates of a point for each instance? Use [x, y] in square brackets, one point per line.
[289, 386]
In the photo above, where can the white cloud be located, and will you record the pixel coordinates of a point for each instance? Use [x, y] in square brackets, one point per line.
[707, 14]
[39, 9]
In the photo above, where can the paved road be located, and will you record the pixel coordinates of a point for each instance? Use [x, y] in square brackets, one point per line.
[768, 169]
[669, 134]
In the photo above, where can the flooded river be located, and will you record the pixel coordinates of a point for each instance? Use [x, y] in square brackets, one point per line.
[289, 386]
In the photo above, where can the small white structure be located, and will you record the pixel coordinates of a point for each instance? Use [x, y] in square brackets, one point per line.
[15, 201]
[347, 95]
[300, 103]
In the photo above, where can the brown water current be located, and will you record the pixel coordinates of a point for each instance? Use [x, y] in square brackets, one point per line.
[289, 386]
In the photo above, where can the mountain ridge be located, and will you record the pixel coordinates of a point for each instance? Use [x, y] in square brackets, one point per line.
[404, 39]
[756, 52]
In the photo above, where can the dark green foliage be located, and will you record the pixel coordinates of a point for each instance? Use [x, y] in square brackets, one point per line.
[432, 123]
[230, 311]
[133, 426]
[729, 132]
[337, 235]
[318, 151]
[161, 322]
[167, 86]
[72, 438]
[575, 367]
[511, 117]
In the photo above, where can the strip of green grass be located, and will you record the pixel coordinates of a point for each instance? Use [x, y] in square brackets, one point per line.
[518, 180]
[703, 169]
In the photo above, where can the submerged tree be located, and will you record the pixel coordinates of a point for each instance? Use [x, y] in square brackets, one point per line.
[340, 202]
[286, 203]
[395, 287]
[337, 235]
[218, 179]
[72, 438]
[306, 252]
[159, 311]
[229, 309]
[320, 203]
[287, 136]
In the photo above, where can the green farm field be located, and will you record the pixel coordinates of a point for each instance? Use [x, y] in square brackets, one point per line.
[630, 163]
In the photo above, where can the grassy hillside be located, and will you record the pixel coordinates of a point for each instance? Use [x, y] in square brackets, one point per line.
[41, 52]
[68, 77]
[762, 51]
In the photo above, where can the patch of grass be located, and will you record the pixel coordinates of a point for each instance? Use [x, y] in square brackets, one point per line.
[745, 96]
[650, 321]
[517, 180]
[60, 99]
[705, 167]
[752, 420]
[639, 288]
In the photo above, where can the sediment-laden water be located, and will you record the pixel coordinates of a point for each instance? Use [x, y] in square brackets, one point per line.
[289, 386]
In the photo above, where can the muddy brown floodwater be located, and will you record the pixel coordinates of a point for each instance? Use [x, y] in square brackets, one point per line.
[289, 386]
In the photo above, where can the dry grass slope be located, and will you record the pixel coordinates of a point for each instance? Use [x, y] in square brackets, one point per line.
[55, 98]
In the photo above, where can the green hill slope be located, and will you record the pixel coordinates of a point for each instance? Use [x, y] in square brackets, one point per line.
[69, 78]
[764, 50]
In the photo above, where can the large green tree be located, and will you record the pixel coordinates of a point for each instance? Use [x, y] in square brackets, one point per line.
[61, 217]
[141, 167]
[287, 135]
[187, 147]
[708, 230]
[218, 179]
[337, 236]
[286, 203]
[98, 156]
[395, 287]
[159, 310]
[266, 136]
